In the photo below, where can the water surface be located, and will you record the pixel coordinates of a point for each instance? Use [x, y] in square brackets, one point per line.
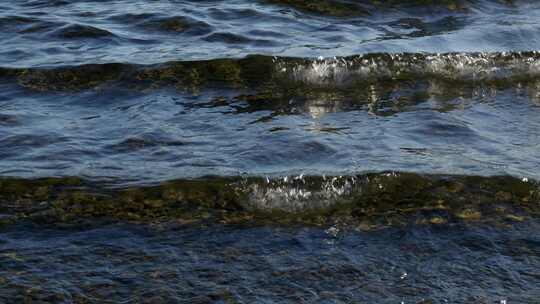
[45, 33]
[272, 151]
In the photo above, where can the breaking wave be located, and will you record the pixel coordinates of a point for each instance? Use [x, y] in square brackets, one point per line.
[463, 69]
[386, 198]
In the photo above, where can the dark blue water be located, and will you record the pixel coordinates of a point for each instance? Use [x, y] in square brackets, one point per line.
[74, 32]
[271, 265]
[272, 151]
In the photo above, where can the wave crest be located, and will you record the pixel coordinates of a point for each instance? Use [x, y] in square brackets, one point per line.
[390, 197]
[285, 72]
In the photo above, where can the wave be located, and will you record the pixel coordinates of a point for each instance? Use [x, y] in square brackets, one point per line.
[374, 199]
[258, 71]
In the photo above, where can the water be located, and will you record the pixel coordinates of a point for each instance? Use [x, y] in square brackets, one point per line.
[215, 265]
[269, 151]
[75, 32]
[472, 114]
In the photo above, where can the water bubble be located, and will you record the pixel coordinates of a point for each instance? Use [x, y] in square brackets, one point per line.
[332, 231]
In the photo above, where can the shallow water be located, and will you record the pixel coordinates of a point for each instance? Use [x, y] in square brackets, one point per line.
[44, 33]
[122, 263]
[272, 151]
[472, 114]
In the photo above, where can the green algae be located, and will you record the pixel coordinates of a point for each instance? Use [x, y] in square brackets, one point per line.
[375, 200]
[68, 78]
[250, 71]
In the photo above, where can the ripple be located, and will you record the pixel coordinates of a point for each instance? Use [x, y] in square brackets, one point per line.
[229, 38]
[14, 21]
[100, 262]
[266, 33]
[45, 3]
[26, 25]
[9, 120]
[134, 144]
[12, 144]
[228, 14]
[303, 29]
[414, 27]
[80, 31]
[30, 141]
[131, 18]
[178, 24]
